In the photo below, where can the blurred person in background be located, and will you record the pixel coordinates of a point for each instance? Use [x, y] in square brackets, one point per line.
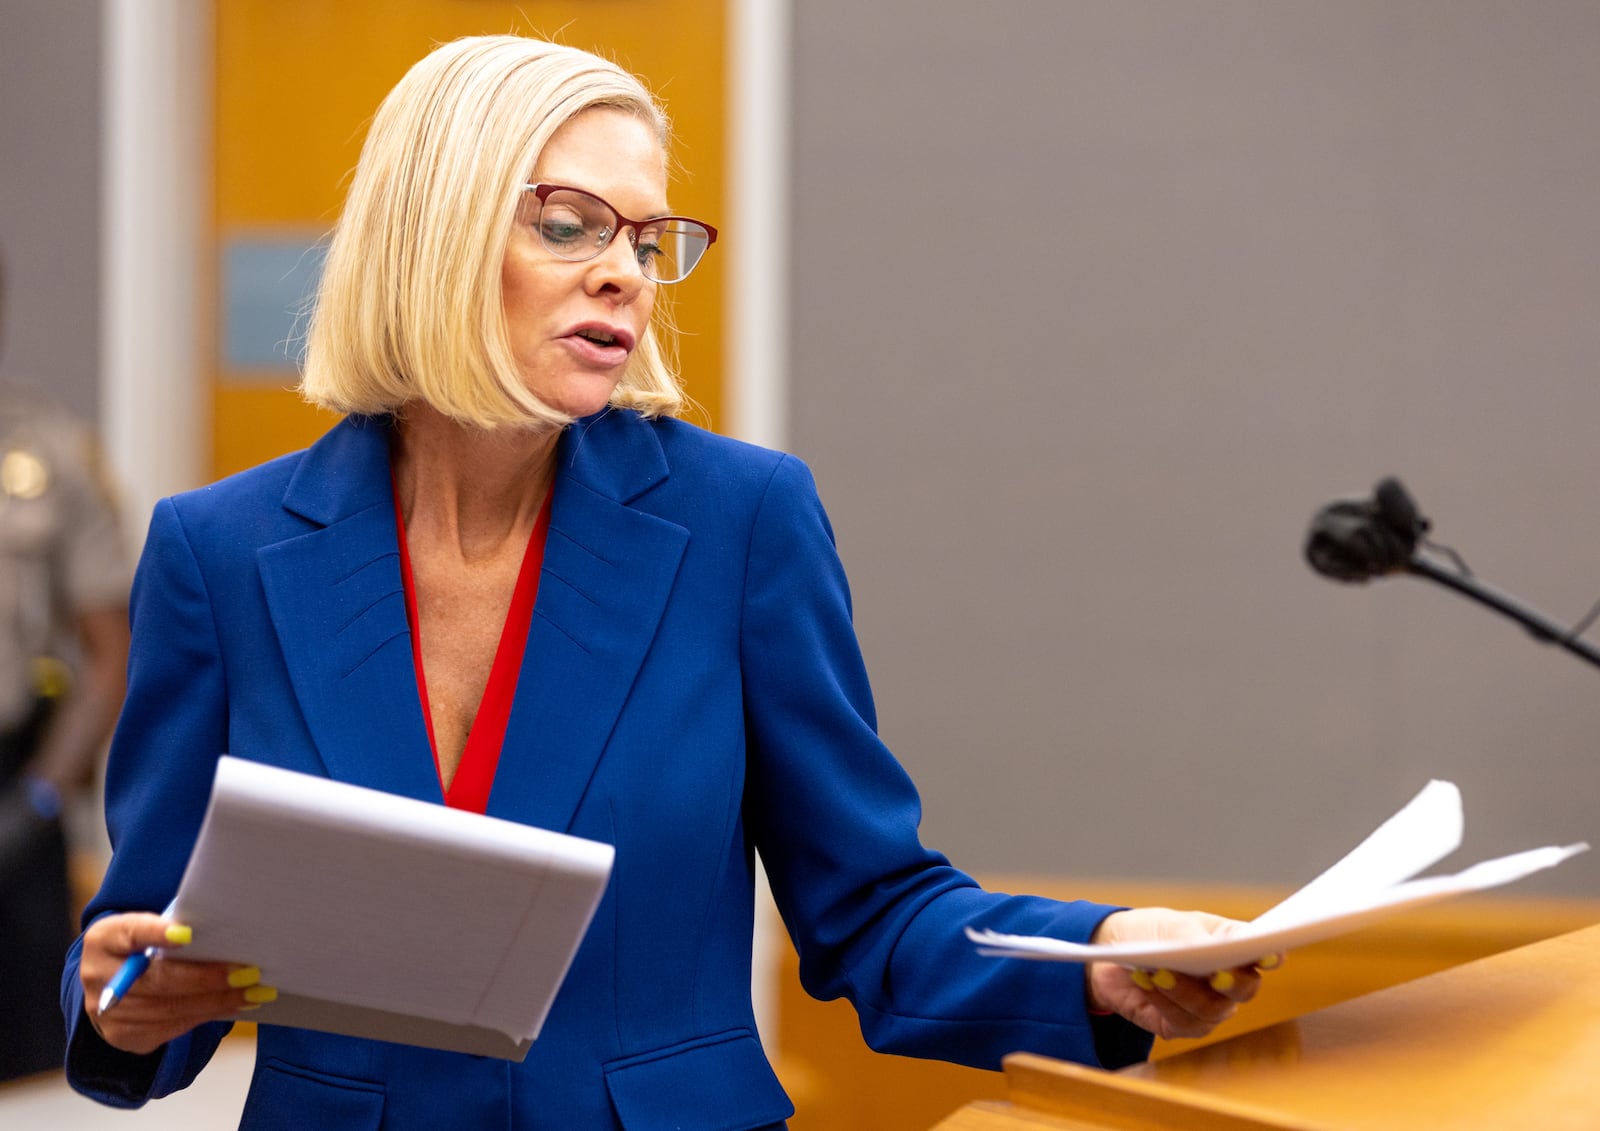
[64, 577]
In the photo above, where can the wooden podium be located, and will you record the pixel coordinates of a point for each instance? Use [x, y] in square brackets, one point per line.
[1507, 1041]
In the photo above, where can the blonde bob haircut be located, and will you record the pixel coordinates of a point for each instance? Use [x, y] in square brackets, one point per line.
[410, 307]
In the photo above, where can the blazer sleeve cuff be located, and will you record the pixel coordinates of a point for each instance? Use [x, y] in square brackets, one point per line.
[107, 1074]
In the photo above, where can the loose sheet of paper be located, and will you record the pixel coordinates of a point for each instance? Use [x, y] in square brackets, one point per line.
[1372, 881]
[349, 896]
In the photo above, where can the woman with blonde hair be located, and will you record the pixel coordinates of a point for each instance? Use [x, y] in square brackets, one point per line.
[510, 580]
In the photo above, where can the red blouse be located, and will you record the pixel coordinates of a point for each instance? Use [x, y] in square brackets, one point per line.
[469, 789]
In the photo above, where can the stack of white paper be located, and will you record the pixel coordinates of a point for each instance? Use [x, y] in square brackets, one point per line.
[1374, 880]
[382, 916]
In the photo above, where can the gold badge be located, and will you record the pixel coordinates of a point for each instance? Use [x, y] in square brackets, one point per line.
[23, 475]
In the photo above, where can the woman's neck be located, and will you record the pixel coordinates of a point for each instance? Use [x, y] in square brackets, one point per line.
[468, 487]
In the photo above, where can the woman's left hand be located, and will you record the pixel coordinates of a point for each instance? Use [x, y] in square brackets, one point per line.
[1165, 1002]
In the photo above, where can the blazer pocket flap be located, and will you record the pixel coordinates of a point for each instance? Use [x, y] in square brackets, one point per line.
[717, 1083]
[286, 1097]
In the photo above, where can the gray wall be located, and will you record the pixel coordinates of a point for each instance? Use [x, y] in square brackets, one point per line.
[49, 197]
[1095, 302]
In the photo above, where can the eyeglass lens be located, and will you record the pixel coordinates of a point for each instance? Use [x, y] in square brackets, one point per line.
[575, 225]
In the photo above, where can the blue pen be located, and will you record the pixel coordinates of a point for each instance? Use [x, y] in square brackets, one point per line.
[132, 968]
[127, 974]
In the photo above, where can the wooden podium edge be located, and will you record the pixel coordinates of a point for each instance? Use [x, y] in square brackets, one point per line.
[1106, 1100]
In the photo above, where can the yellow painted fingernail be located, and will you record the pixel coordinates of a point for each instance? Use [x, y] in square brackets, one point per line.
[244, 976]
[246, 1008]
[1164, 979]
[1270, 962]
[1222, 980]
[260, 995]
[1141, 979]
[179, 935]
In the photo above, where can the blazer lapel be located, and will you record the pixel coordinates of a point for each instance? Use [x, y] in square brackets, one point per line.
[608, 571]
[338, 604]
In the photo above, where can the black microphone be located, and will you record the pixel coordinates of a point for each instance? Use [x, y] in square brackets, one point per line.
[1355, 540]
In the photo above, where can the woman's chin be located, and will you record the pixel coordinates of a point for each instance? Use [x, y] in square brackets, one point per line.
[578, 398]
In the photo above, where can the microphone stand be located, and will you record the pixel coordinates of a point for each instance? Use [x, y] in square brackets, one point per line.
[1541, 627]
[1355, 540]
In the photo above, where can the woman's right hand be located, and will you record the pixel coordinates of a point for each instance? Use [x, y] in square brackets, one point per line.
[172, 996]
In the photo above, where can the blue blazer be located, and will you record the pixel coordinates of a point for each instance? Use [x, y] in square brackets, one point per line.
[692, 694]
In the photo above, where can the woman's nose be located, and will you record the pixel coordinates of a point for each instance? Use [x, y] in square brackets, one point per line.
[618, 265]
